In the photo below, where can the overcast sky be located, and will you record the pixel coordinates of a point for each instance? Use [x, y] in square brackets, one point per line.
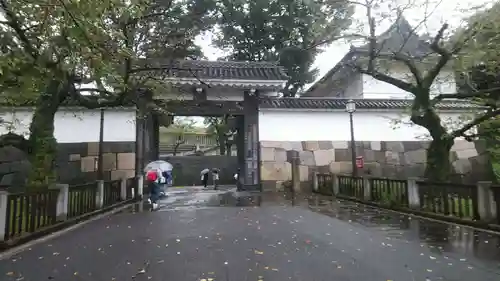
[450, 11]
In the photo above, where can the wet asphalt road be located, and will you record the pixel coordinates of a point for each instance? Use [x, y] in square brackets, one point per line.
[219, 235]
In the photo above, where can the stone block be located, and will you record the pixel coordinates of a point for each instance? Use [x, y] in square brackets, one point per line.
[412, 145]
[389, 170]
[392, 157]
[340, 144]
[109, 161]
[466, 153]
[324, 157]
[462, 145]
[341, 167]
[117, 174]
[343, 155]
[92, 149]
[415, 170]
[280, 155]
[394, 146]
[266, 154]
[415, 157]
[325, 145]
[88, 164]
[295, 145]
[368, 155]
[303, 173]
[307, 158]
[374, 169]
[126, 161]
[271, 171]
[270, 144]
[320, 169]
[462, 166]
[75, 157]
[363, 144]
[375, 145]
[310, 145]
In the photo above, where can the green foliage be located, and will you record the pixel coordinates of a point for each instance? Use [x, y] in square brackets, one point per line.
[479, 61]
[49, 49]
[404, 48]
[287, 31]
[220, 128]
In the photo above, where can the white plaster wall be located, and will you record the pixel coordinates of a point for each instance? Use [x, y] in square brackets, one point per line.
[373, 88]
[76, 125]
[282, 125]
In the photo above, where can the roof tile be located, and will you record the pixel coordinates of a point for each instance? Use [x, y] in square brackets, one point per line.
[204, 69]
[315, 103]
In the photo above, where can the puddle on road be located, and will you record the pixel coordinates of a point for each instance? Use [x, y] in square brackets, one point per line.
[439, 237]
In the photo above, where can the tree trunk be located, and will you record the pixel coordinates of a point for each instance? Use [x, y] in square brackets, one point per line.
[438, 160]
[43, 144]
[222, 144]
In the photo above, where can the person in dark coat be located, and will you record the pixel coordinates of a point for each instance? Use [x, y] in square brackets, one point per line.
[204, 177]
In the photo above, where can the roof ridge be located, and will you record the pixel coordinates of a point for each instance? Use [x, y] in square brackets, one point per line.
[235, 63]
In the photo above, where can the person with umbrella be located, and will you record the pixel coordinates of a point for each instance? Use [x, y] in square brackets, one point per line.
[158, 174]
[204, 177]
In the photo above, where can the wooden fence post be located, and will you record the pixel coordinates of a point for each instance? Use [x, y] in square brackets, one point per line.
[413, 194]
[295, 171]
[62, 201]
[335, 184]
[4, 196]
[485, 201]
[123, 189]
[367, 189]
[99, 194]
[140, 186]
[315, 182]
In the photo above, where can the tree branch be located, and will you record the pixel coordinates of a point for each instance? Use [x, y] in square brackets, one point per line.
[476, 121]
[405, 86]
[398, 57]
[467, 95]
[445, 56]
[15, 24]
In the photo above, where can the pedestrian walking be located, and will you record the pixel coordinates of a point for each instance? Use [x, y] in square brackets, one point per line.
[154, 179]
[215, 177]
[204, 177]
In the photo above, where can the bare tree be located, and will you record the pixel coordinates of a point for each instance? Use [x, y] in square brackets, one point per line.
[425, 57]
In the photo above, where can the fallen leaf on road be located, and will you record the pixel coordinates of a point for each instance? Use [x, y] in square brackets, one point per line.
[258, 252]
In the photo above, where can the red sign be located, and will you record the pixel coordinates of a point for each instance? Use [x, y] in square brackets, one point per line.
[360, 162]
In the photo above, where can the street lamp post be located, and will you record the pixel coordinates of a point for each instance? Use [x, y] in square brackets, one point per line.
[100, 168]
[350, 107]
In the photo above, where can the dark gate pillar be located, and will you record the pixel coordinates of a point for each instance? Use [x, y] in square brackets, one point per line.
[250, 179]
[155, 144]
[240, 148]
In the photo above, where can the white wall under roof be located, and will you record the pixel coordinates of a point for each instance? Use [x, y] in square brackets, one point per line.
[75, 125]
[302, 125]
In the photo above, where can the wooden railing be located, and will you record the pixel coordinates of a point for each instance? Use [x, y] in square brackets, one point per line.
[111, 192]
[458, 200]
[453, 200]
[27, 213]
[30, 211]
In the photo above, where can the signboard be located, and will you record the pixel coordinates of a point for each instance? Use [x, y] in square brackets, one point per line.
[360, 163]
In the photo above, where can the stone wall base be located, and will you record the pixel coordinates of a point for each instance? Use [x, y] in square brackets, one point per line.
[397, 159]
